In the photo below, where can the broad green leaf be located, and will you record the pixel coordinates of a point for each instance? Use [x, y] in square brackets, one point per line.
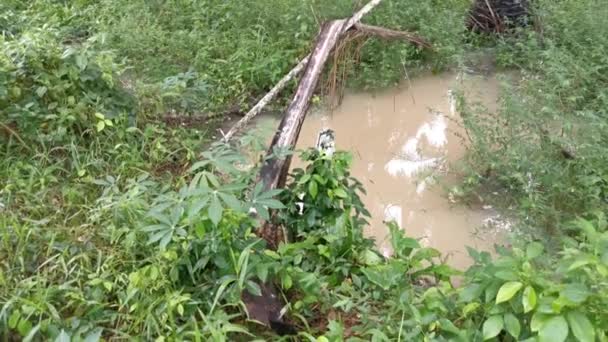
[471, 292]
[340, 193]
[287, 282]
[215, 210]
[41, 91]
[506, 275]
[529, 299]
[369, 258]
[538, 320]
[94, 336]
[231, 201]
[253, 288]
[32, 333]
[196, 207]
[63, 337]
[554, 330]
[262, 272]
[534, 250]
[576, 293]
[313, 189]
[469, 308]
[376, 276]
[24, 327]
[100, 125]
[14, 319]
[272, 254]
[492, 327]
[580, 263]
[81, 61]
[512, 325]
[448, 326]
[581, 326]
[158, 235]
[507, 291]
[271, 203]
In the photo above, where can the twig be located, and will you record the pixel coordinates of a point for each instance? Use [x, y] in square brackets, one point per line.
[15, 134]
[393, 34]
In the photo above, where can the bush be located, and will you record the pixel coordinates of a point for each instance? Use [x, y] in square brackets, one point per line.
[52, 92]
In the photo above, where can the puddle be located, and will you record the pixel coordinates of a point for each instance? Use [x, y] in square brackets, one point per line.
[401, 141]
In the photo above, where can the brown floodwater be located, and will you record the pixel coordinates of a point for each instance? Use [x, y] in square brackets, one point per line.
[404, 142]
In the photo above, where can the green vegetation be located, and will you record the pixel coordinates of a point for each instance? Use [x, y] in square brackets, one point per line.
[115, 226]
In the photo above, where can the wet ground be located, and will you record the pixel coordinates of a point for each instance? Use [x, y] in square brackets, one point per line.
[404, 142]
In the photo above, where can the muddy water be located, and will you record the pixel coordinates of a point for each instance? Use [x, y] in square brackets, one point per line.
[403, 141]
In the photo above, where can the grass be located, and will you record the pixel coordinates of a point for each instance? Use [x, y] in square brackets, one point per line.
[117, 224]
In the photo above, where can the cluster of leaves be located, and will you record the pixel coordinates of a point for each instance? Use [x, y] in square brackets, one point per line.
[97, 245]
[172, 264]
[546, 144]
[531, 295]
[51, 91]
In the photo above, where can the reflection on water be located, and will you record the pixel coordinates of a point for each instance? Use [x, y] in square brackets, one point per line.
[401, 141]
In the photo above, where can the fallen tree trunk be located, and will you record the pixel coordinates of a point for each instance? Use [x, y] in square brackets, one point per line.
[293, 73]
[274, 170]
[267, 307]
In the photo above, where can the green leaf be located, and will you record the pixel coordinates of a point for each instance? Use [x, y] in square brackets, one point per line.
[32, 333]
[471, 292]
[41, 91]
[576, 293]
[262, 272]
[14, 319]
[506, 275]
[313, 189]
[253, 288]
[534, 250]
[100, 125]
[512, 325]
[81, 61]
[165, 240]
[24, 327]
[537, 321]
[158, 235]
[580, 263]
[287, 282]
[231, 201]
[554, 330]
[448, 326]
[529, 299]
[272, 254]
[507, 291]
[63, 337]
[376, 276]
[340, 193]
[215, 210]
[469, 308]
[581, 326]
[492, 327]
[370, 258]
[94, 336]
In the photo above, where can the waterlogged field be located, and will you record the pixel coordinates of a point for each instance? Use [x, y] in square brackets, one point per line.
[121, 219]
